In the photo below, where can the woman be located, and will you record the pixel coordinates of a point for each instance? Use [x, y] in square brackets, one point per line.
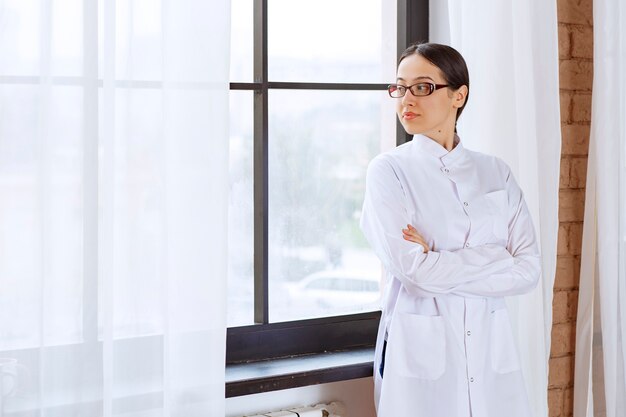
[454, 234]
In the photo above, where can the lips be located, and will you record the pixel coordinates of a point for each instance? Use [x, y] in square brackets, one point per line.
[409, 115]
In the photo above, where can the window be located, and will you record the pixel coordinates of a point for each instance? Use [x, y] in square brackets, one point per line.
[309, 110]
[47, 215]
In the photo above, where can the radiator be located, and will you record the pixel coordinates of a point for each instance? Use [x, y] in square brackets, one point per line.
[333, 409]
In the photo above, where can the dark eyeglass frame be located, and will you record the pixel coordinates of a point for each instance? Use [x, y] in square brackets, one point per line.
[416, 93]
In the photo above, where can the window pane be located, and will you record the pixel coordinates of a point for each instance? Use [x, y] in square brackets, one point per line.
[331, 41]
[41, 217]
[242, 41]
[138, 284]
[19, 37]
[240, 212]
[67, 37]
[138, 40]
[320, 145]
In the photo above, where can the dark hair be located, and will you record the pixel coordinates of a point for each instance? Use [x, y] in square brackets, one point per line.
[448, 60]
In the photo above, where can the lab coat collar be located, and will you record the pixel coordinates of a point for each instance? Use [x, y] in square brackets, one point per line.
[432, 147]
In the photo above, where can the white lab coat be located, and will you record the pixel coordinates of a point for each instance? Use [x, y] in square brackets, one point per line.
[450, 350]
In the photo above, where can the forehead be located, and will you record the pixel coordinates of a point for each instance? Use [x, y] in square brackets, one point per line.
[416, 68]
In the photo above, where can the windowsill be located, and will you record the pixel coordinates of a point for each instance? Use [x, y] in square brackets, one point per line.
[299, 371]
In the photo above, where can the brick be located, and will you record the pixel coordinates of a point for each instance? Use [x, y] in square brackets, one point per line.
[562, 239]
[571, 206]
[563, 339]
[573, 172]
[565, 43]
[561, 371]
[575, 139]
[575, 11]
[576, 74]
[572, 304]
[555, 402]
[560, 307]
[566, 277]
[564, 173]
[581, 38]
[576, 236]
[566, 105]
[568, 401]
[581, 107]
[578, 172]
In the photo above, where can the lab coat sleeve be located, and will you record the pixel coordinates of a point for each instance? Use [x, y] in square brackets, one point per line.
[384, 215]
[525, 273]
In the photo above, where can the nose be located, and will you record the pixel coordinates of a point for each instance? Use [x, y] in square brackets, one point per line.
[408, 98]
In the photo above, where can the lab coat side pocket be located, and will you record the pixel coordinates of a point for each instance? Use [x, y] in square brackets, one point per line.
[504, 356]
[417, 346]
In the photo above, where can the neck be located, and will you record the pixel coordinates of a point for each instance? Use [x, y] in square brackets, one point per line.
[444, 137]
[443, 134]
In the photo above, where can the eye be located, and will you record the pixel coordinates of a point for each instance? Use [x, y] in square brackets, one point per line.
[396, 90]
[423, 88]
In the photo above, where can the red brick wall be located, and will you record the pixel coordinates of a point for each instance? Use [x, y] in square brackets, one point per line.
[576, 77]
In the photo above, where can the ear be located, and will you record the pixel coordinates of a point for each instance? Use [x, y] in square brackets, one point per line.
[459, 96]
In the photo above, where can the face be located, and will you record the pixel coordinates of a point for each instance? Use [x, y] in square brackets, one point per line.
[429, 115]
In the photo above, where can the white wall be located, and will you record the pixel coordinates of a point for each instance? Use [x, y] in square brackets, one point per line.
[357, 395]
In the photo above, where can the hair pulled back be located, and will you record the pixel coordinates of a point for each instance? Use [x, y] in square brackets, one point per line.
[448, 60]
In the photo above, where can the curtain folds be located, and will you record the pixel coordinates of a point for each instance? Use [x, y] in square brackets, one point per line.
[511, 49]
[600, 362]
[113, 213]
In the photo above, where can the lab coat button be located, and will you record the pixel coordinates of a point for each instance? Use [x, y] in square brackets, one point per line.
[465, 203]
[469, 333]
[446, 170]
[467, 245]
[472, 379]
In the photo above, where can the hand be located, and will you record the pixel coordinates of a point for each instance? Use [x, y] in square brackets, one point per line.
[411, 235]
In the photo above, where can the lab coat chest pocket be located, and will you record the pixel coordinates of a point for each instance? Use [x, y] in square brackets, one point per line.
[496, 205]
[504, 357]
[417, 346]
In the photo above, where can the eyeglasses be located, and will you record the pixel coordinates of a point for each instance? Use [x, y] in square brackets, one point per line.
[418, 90]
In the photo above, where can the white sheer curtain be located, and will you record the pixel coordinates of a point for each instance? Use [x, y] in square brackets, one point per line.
[511, 49]
[113, 207]
[600, 371]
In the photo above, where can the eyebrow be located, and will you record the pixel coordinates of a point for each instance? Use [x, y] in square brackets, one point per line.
[423, 77]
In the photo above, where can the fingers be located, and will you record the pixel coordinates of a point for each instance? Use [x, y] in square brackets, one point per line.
[412, 235]
[411, 232]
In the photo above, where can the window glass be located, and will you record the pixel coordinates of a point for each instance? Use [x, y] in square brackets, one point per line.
[49, 198]
[138, 40]
[320, 145]
[241, 41]
[327, 41]
[67, 37]
[240, 212]
[138, 213]
[19, 42]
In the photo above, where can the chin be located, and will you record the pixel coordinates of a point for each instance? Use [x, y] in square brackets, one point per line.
[412, 130]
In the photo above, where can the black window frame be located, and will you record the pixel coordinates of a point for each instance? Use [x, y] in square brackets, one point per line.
[264, 340]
